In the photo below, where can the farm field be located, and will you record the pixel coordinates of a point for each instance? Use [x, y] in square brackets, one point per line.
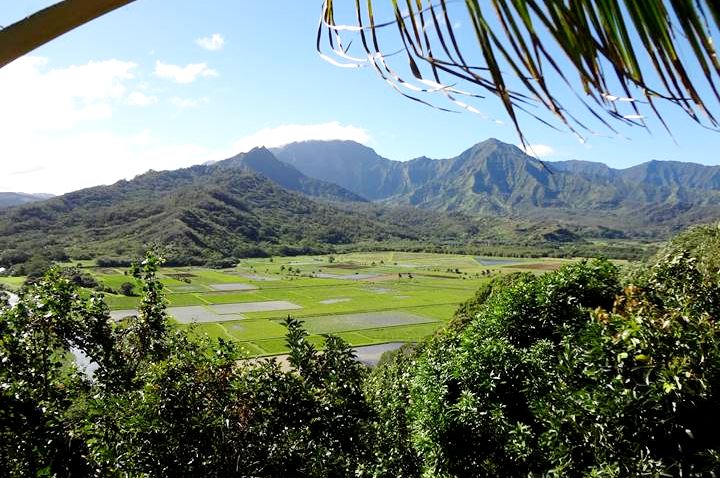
[366, 298]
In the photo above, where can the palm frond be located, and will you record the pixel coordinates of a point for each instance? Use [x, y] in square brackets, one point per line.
[49, 23]
[624, 56]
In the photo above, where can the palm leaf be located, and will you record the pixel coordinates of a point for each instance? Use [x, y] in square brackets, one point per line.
[624, 55]
[44, 25]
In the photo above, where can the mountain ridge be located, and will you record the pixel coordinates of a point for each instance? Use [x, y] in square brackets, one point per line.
[496, 178]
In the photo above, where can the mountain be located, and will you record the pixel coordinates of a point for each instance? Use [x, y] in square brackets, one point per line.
[498, 179]
[9, 199]
[204, 214]
[349, 164]
[262, 161]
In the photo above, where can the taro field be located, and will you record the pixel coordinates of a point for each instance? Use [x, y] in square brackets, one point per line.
[378, 299]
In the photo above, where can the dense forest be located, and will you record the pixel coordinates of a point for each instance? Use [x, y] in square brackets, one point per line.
[591, 370]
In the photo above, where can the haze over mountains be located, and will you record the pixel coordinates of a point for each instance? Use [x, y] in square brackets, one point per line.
[315, 196]
[9, 199]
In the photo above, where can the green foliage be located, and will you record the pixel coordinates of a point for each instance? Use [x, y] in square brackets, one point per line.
[162, 403]
[387, 392]
[566, 374]
[127, 289]
[572, 373]
[38, 387]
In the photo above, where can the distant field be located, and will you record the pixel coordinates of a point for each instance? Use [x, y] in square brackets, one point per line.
[366, 298]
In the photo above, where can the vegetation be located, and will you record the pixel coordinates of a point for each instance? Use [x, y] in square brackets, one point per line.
[573, 373]
[218, 214]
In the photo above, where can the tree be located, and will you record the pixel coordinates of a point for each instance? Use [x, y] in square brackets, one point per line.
[127, 288]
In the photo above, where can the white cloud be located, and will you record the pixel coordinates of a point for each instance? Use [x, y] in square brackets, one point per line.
[212, 43]
[137, 98]
[35, 98]
[538, 150]
[188, 102]
[67, 162]
[183, 74]
[282, 135]
[52, 129]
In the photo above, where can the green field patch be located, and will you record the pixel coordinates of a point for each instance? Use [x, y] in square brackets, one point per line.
[179, 300]
[207, 276]
[440, 312]
[365, 320]
[236, 297]
[254, 330]
[325, 275]
[355, 338]
[406, 333]
[121, 301]
[12, 282]
[187, 288]
[253, 350]
[271, 346]
[346, 265]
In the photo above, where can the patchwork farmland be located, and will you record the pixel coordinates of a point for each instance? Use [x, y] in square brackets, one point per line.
[369, 299]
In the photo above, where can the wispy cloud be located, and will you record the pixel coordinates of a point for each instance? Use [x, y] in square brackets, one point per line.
[183, 74]
[285, 134]
[538, 150]
[212, 43]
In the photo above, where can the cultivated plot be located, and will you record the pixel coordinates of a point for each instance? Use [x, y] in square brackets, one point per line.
[365, 298]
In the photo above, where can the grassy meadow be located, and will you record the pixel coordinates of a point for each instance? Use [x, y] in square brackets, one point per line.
[366, 298]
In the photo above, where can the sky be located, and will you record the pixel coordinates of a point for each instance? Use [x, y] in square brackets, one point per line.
[145, 87]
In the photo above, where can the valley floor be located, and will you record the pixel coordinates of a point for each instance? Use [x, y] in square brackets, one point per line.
[365, 298]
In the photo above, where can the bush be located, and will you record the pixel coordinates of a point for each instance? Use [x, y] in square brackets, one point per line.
[127, 288]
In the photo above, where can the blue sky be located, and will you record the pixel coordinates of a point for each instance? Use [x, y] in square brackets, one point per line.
[146, 88]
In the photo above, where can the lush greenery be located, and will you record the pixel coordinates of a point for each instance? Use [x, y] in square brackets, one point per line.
[490, 200]
[580, 372]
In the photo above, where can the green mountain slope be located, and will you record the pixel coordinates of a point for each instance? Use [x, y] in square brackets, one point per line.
[199, 214]
[262, 161]
[494, 178]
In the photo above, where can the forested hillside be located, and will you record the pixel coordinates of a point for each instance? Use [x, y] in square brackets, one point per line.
[492, 198]
[497, 179]
[203, 214]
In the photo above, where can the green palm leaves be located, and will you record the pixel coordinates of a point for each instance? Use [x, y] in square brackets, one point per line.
[618, 57]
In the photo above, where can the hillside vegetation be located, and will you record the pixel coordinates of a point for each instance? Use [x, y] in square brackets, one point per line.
[498, 179]
[585, 371]
[198, 215]
[339, 196]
